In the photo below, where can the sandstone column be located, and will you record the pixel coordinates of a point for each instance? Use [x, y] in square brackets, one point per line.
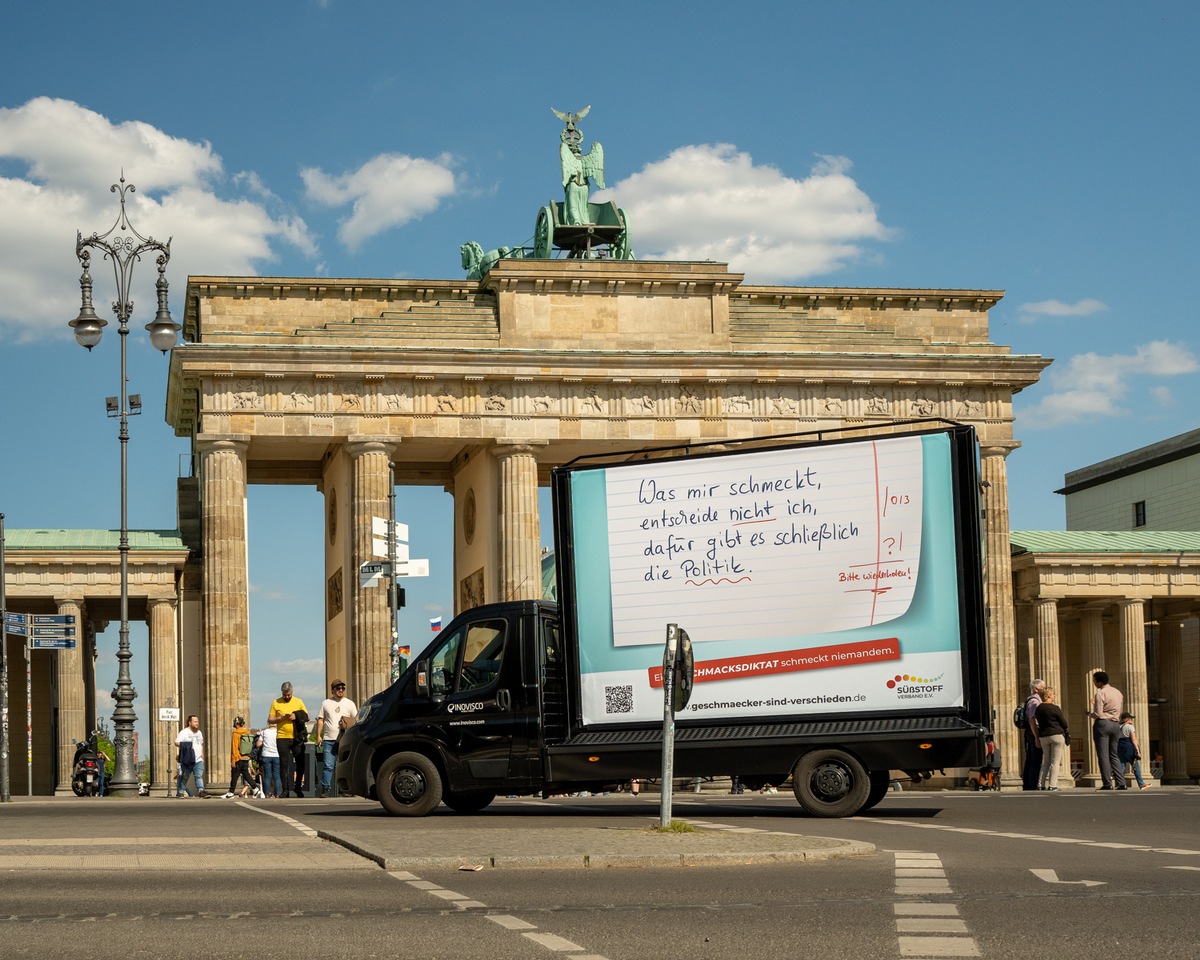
[1173, 734]
[1092, 654]
[226, 635]
[1003, 687]
[1049, 667]
[164, 692]
[519, 528]
[72, 716]
[370, 634]
[1132, 614]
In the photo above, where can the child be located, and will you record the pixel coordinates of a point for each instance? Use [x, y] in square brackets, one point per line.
[1128, 750]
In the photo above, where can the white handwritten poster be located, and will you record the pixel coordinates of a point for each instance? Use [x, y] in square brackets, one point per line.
[769, 544]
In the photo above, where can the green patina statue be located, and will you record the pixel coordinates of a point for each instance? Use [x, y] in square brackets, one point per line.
[578, 167]
[584, 230]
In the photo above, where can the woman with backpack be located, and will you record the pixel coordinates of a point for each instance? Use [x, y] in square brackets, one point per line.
[239, 759]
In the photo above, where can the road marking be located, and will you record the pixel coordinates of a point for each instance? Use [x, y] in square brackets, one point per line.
[1174, 851]
[1051, 876]
[1181, 868]
[550, 941]
[928, 929]
[307, 831]
[509, 922]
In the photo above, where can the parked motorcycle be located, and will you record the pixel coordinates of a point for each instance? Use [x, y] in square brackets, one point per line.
[87, 772]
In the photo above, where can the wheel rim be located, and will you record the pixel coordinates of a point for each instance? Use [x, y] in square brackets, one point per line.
[408, 785]
[831, 782]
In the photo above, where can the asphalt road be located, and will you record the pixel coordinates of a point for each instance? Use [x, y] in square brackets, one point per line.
[953, 874]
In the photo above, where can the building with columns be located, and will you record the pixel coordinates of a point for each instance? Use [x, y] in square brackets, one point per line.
[1119, 591]
[482, 387]
[77, 573]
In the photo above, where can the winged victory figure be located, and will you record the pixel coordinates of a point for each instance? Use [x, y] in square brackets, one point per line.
[578, 167]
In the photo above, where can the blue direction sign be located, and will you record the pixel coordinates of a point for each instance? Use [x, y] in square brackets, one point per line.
[53, 643]
[53, 631]
[17, 624]
[52, 619]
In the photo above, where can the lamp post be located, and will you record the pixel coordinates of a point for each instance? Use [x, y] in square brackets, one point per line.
[123, 246]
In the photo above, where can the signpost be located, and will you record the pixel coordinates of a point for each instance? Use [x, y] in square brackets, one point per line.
[42, 631]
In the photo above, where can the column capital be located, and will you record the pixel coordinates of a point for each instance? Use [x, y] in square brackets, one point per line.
[997, 448]
[211, 442]
[1124, 603]
[515, 446]
[362, 445]
[153, 602]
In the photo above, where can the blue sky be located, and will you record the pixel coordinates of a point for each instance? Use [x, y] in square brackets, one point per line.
[1044, 149]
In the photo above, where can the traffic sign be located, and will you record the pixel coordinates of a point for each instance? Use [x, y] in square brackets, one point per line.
[379, 549]
[55, 619]
[53, 643]
[413, 568]
[53, 631]
[16, 619]
[17, 629]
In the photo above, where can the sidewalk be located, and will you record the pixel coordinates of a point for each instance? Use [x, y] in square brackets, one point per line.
[75, 833]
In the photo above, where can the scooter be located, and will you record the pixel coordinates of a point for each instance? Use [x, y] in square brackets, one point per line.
[88, 769]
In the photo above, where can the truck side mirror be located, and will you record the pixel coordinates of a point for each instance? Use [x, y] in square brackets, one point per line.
[423, 679]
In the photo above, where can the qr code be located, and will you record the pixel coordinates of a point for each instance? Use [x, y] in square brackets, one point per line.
[618, 699]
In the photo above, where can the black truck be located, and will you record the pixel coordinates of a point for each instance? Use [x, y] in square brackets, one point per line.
[833, 594]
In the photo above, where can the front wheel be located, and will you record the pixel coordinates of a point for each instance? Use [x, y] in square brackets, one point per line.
[409, 785]
[830, 783]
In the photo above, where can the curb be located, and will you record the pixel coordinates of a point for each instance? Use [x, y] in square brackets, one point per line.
[586, 861]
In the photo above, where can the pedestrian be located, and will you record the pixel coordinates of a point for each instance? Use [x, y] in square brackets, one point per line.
[102, 769]
[282, 717]
[1128, 751]
[269, 743]
[1053, 738]
[239, 758]
[336, 715]
[1032, 769]
[190, 744]
[1107, 706]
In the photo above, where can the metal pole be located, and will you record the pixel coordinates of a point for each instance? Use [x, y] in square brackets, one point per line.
[124, 251]
[5, 796]
[668, 740]
[393, 590]
[28, 719]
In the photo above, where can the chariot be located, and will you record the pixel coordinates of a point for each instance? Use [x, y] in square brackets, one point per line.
[606, 235]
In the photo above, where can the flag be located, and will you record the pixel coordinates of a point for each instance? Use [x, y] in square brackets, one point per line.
[435, 624]
[406, 651]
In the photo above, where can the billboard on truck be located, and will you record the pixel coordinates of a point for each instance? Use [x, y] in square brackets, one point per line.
[819, 578]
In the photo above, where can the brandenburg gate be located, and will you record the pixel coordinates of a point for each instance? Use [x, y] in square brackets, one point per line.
[481, 386]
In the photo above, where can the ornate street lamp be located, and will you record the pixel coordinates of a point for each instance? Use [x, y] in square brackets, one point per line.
[124, 246]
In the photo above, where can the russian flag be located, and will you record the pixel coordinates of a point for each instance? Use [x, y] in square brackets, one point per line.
[435, 624]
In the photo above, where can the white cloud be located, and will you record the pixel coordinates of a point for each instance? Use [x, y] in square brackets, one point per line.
[71, 155]
[387, 191]
[756, 218]
[1031, 312]
[1090, 386]
[1163, 396]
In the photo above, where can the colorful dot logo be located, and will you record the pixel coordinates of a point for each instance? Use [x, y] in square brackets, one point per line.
[907, 678]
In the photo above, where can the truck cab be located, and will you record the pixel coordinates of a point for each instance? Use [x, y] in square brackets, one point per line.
[465, 720]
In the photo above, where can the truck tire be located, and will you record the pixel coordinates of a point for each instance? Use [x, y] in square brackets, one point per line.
[881, 780]
[467, 802]
[409, 785]
[830, 783]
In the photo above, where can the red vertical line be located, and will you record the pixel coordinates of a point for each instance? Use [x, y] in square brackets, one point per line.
[878, 528]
